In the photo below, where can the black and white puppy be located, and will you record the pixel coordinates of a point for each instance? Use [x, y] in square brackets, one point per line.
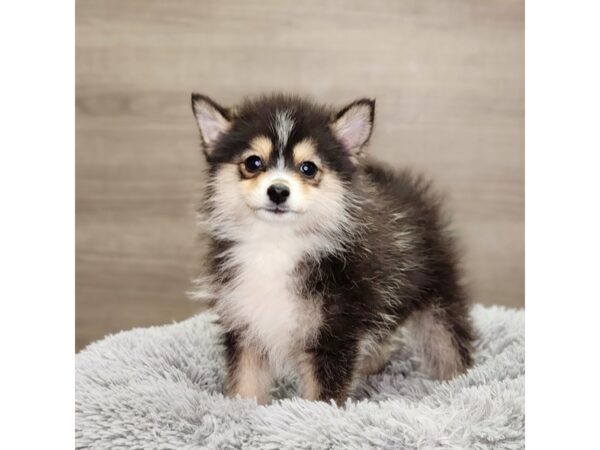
[317, 256]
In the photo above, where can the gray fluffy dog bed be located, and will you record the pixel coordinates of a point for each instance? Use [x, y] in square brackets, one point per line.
[161, 387]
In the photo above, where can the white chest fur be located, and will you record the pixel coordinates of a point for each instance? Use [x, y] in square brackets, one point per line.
[263, 297]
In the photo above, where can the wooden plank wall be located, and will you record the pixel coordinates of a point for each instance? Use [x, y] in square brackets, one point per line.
[449, 81]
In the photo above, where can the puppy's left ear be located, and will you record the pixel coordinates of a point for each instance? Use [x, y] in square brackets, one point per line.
[353, 125]
[213, 120]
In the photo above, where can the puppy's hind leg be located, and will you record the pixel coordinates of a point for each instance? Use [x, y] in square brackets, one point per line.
[443, 338]
[374, 354]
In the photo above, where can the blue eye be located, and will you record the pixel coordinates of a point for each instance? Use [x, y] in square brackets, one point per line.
[253, 164]
[308, 169]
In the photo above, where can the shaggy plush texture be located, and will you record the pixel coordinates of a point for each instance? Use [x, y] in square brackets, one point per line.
[161, 387]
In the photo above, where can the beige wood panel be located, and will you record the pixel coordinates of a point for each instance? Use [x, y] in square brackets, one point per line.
[448, 78]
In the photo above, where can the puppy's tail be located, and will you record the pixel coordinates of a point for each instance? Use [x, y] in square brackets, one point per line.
[443, 338]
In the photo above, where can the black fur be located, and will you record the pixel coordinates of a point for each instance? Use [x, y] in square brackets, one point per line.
[426, 273]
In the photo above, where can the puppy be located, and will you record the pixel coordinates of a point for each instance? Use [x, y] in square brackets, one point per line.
[316, 255]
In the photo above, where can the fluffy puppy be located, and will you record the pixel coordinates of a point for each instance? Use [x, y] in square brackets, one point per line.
[316, 255]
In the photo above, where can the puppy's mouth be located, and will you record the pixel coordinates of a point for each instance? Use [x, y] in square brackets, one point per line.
[275, 213]
[277, 210]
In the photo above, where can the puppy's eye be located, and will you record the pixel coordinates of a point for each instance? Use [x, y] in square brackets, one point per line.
[253, 164]
[308, 169]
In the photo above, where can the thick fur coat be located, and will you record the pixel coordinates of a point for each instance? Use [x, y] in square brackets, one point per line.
[316, 254]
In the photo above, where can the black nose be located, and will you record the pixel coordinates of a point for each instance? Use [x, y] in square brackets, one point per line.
[278, 193]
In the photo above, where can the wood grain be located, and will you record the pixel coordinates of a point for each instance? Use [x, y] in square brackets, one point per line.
[449, 82]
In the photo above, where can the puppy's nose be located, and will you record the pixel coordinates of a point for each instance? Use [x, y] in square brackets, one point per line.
[278, 193]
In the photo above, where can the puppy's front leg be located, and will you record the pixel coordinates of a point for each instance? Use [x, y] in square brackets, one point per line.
[329, 372]
[249, 375]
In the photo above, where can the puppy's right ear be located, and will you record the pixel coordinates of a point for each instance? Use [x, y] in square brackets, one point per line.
[213, 120]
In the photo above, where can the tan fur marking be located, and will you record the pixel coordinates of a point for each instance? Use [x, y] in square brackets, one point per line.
[307, 187]
[252, 182]
[251, 377]
[261, 146]
[308, 381]
[305, 151]
[440, 357]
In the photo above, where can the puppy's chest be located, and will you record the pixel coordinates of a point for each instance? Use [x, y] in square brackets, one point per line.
[263, 298]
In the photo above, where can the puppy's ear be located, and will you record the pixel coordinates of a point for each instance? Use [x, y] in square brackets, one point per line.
[213, 120]
[353, 124]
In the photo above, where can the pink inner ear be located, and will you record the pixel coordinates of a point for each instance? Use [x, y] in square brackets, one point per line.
[211, 127]
[354, 127]
[211, 123]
